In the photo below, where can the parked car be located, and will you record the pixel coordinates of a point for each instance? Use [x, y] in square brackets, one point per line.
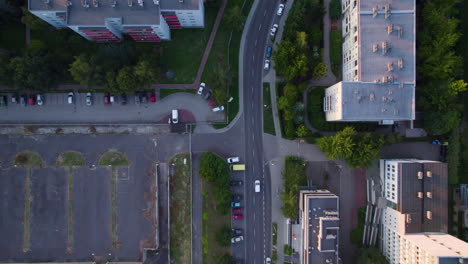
[237, 217]
[14, 98]
[236, 183]
[123, 99]
[153, 97]
[106, 98]
[266, 67]
[280, 10]
[112, 99]
[257, 186]
[144, 98]
[268, 260]
[236, 232]
[3, 100]
[23, 100]
[200, 90]
[233, 160]
[219, 108]
[70, 97]
[274, 28]
[237, 239]
[235, 204]
[237, 211]
[269, 49]
[89, 99]
[236, 197]
[31, 100]
[137, 99]
[208, 94]
[175, 116]
[40, 99]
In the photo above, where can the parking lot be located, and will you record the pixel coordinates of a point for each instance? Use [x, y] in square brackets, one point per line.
[56, 109]
[81, 213]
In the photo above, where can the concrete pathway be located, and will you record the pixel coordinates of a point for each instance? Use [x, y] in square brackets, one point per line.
[276, 167]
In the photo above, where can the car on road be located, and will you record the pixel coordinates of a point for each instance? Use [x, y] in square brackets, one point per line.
[237, 211]
[236, 183]
[237, 217]
[23, 100]
[153, 97]
[274, 28]
[200, 90]
[175, 116]
[31, 100]
[70, 97]
[237, 239]
[218, 109]
[89, 99]
[137, 99]
[269, 49]
[236, 197]
[233, 160]
[235, 204]
[266, 67]
[106, 98]
[123, 99]
[40, 99]
[236, 232]
[3, 100]
[280, 10]
[14, 98]
[257, 186]
[268, 260]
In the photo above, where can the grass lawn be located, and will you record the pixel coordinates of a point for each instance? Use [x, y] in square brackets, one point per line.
[12, 37]
[357, 233]
[28, 159]
[70, 158]
[166, 92]
[225, 53]
[181, 211]
[268, 124]
[335, 51]
[113, 158]
[212, 222]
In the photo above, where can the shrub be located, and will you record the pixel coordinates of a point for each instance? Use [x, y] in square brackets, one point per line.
[335, 9]
[294, 176]
[288, 250]
[223, 236]
[453, 156]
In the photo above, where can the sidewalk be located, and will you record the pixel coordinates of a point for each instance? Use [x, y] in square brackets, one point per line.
[276, 167]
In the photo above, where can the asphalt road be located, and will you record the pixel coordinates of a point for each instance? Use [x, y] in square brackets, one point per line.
[258, 205]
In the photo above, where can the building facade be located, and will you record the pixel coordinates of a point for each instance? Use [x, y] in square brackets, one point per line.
[108, 20]
[414, 223]
[320, 224]
[379, 62]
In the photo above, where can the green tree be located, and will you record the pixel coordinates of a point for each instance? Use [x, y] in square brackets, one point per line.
[5, 71]
[294, 176]
[441, 122]
[223, 236]
[226, 259]
[301, 41]
[302, 131]
[10, 11]
[81, 70]
[32, 21]
[289, 61]
[335, 9]
[291, 93]
[110, 81]
[34, 72]
[146, 72]
[367, 149]
[283, 103]
[320, 70]
[126, 80]
[339, 146]
[371, 255]
[220, 96]
[234, 18]
[316, 36]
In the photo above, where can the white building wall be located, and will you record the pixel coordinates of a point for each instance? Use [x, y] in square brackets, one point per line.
[51, 18]
[75, 28]
[163, 31]
[190, 18]
[351, 43]
[333, 97]
[114, 25]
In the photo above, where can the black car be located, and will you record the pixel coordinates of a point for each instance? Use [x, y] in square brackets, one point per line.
[123, 98]
[236, 232]
[3, 100]
[236, 183]
[236, 197]
[23, 99]
[144, 98]
[208, 94]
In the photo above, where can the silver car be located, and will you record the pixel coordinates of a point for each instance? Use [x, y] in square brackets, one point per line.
[89, 99]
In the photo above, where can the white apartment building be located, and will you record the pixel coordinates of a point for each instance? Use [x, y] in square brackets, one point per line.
[379, 63]
[108, 20]
[414, 223]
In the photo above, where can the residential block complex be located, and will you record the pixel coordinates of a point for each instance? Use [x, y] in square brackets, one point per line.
[379, 61]
[108, 20]
[414, 223]
[320, 224]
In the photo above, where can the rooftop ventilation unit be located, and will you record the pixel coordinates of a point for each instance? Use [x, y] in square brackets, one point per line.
[384, 47]
[429, 195]
[140, 2]
[429, 174]
[420, 195]
[420, 175]
[181, 1]
[390, 66]
[387, 11]
[84, 3]
[384, 79]
[46, 2]
[429, 215]
[375, 48]
[374, 11]
[400, 32]
[400, 63]
[408, 218]
[156, 2]
[95, 3]
[390, 29]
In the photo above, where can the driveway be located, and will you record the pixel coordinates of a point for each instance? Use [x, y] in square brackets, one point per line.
[56, 110]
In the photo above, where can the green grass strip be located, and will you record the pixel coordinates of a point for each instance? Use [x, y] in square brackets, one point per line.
[268, 123]
[114, 207]
[70, 211]
[27, 211]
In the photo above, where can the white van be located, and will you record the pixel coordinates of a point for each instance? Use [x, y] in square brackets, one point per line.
[175, 116]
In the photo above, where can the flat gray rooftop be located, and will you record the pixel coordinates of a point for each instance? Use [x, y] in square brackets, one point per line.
[377, 101]
[148, 14]
[53, 5]
[367, 5]
[177, 5]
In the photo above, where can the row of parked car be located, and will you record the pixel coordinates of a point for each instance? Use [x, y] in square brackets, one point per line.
[273, 31]
[23, 100]
[207, 95]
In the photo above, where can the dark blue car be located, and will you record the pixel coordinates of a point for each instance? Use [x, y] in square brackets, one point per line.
[268, 51]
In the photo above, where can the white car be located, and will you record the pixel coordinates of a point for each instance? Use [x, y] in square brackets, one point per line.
[89, 99]
[200, 90]
[237, 239]
[233, 160]
[274, 28]
[280, 10]
[39, 99]
[70, 97]
[266, 67]
[175, 116]
[268, 260]
[257, 186]
[219, 108]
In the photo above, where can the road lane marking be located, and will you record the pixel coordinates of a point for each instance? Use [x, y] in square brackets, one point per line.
[264, 13]
[256, 42]
[260, 27]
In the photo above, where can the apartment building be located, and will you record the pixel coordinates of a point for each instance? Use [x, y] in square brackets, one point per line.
[108, 20]
[414, 223]
[320, 224]
[379, 63]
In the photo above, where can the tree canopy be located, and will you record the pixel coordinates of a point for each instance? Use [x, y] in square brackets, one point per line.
[289, 61]
[215, 170]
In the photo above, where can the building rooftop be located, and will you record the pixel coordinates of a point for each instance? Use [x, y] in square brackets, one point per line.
[416, 207]
[447, 247]
[377, 101]
[387, 42]
[52, 5]
[179, 5]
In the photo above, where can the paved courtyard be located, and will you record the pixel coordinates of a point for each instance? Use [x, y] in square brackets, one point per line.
[81, 213]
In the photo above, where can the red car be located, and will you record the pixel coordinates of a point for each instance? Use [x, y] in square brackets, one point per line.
[237, 211]
[237, 217]
[153, 97]
[31, 100]
[106, 98]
